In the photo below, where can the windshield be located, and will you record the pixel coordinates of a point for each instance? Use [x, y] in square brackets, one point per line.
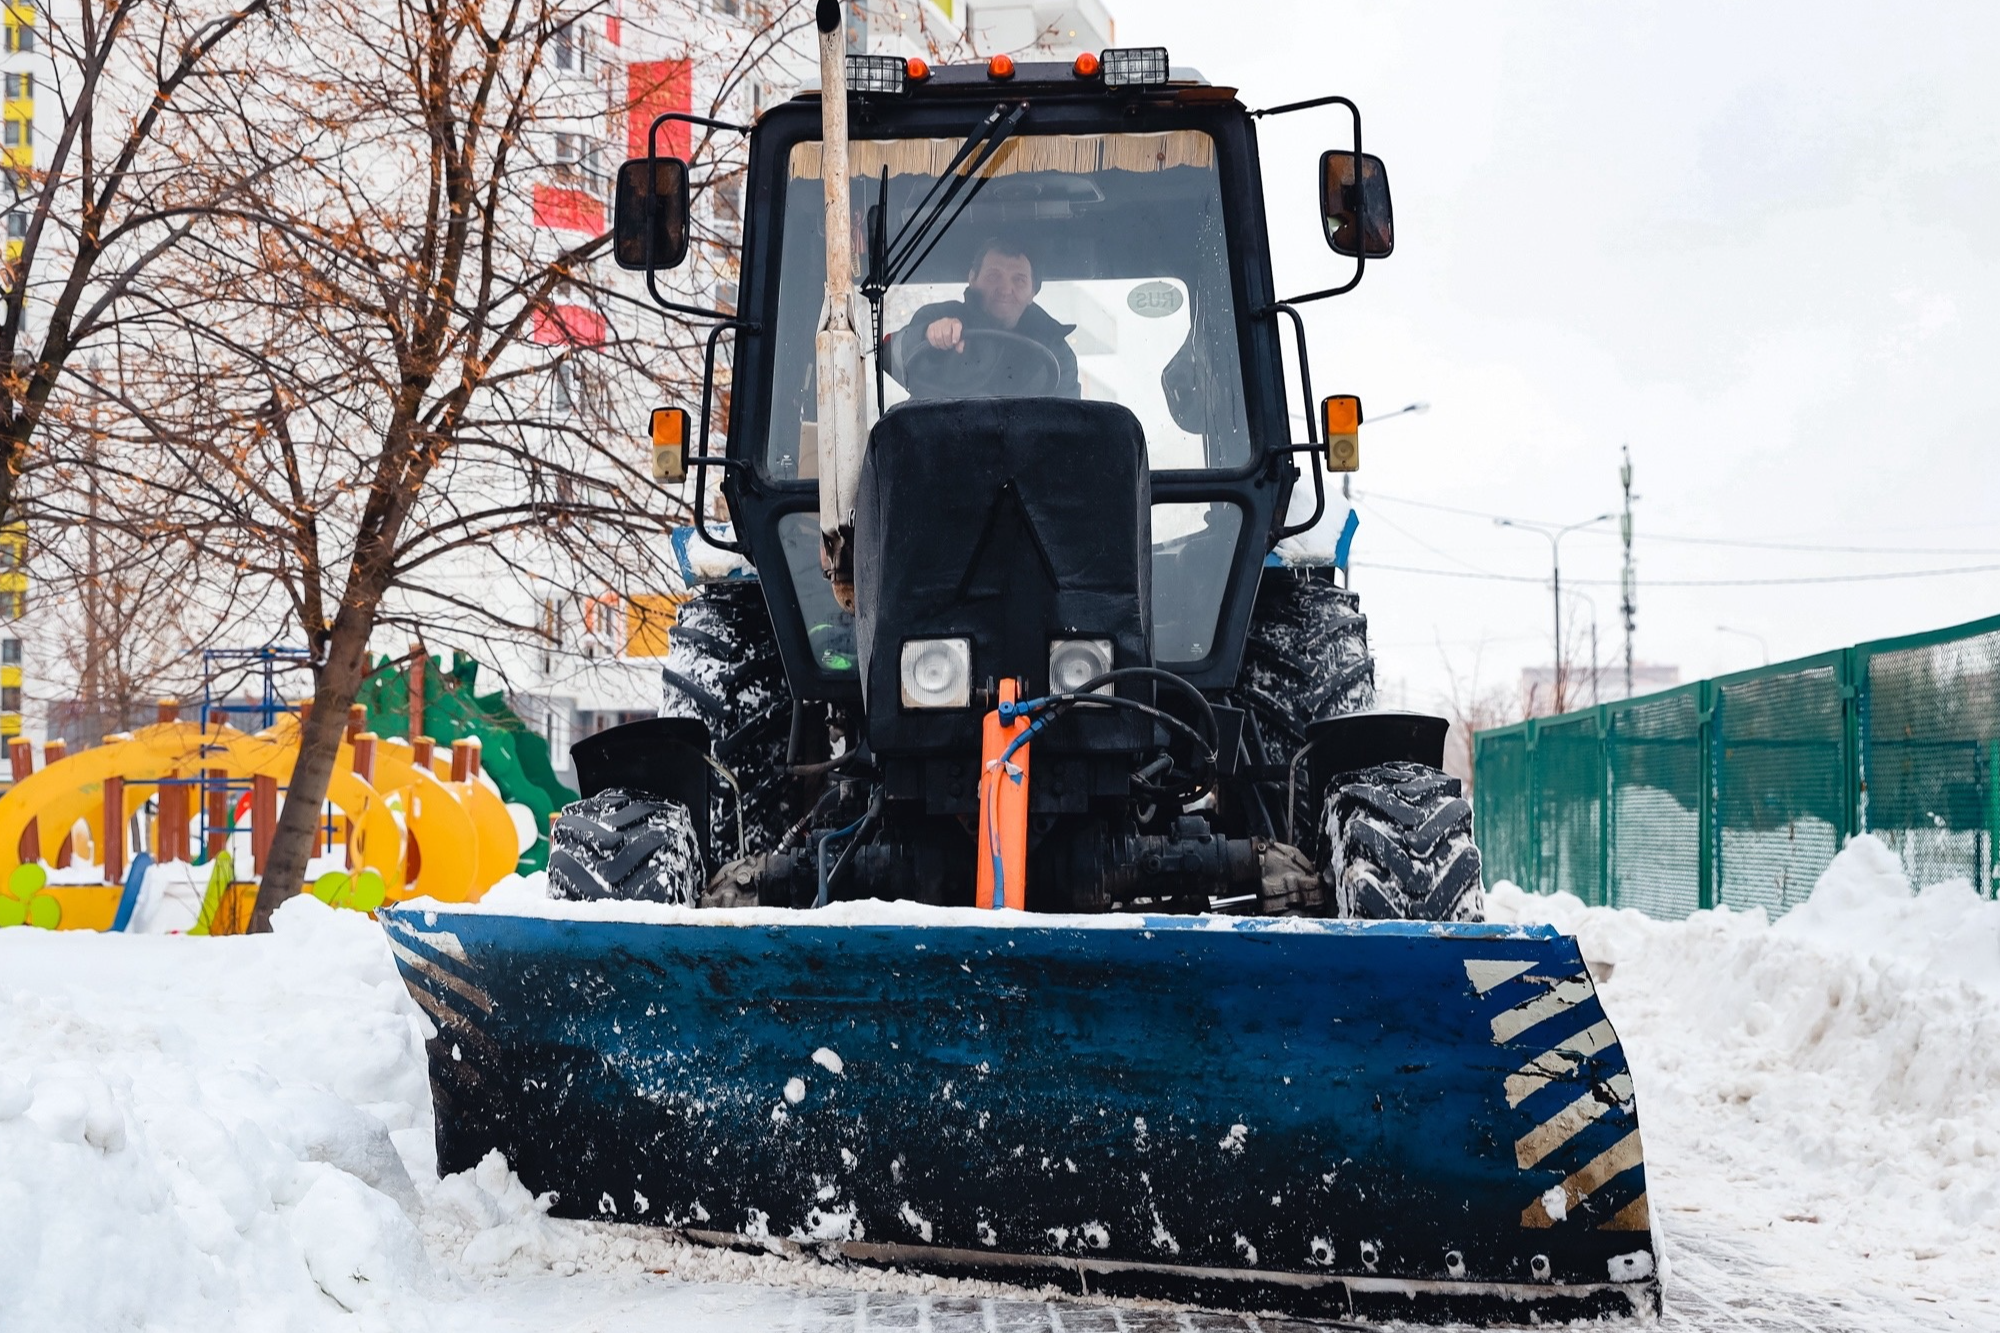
[1091, 266]
[1086, 266]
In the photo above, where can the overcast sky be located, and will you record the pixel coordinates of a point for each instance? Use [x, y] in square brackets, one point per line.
[1757, 242]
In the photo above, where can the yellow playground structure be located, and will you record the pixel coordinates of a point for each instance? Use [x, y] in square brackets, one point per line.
[408, 821]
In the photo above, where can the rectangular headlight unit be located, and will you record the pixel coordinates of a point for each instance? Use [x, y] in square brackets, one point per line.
[936, 673]
[876, 74]
[1133, 66]
[1074, 663]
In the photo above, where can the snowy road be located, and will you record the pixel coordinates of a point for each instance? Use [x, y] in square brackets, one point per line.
[235, 1134]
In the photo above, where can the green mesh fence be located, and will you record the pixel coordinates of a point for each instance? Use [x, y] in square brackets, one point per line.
[1740, 790]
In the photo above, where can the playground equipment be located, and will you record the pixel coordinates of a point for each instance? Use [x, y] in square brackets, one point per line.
[416, 822]
[417, 696]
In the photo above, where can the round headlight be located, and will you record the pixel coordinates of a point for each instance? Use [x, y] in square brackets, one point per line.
[1074, 663]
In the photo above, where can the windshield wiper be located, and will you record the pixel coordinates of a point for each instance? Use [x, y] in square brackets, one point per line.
[890, 263]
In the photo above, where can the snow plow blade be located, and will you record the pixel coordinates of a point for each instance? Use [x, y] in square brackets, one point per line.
[1372, 1120]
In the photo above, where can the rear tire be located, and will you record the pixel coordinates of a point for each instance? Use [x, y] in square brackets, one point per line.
[723, 667]
[1400, 840]
[627, 846]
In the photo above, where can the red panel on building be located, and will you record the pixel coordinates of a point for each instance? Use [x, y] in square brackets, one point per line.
[569, 324]
[570, 210]
[613, 29]
[653, 88]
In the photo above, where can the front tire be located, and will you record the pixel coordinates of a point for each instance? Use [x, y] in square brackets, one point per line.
[723, 667]
[1401, 849]
[625, 846]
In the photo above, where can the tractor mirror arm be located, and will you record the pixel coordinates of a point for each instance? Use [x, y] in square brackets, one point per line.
[1360, 260]
[653, 154]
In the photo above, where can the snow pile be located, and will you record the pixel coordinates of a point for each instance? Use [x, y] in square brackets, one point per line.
[194, 1126]
[1831, 1081]
[236, 1133]
[209, 1134]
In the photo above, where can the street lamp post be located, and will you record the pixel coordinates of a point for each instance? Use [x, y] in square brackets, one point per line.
[1765, 648]
[1555, 536]
[1591, 602]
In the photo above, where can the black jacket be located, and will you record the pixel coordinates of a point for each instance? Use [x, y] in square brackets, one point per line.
[1035, 323]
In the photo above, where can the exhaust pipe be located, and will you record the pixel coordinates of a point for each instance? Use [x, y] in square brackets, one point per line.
[837, 346]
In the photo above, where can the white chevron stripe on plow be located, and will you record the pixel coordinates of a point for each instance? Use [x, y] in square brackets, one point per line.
[1558, 1062]
[1564, 994]
[1567, 1123]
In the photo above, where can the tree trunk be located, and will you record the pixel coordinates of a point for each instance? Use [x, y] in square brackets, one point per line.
[319, 746]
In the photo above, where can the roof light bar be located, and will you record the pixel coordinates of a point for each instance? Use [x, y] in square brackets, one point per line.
[876, 74]
[1134, 66]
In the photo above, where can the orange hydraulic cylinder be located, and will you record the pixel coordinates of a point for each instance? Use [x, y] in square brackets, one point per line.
[1003, 810]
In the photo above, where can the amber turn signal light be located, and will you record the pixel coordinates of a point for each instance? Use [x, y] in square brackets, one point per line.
[918, 69]
[670, 433]
[1086, 65]
[1000, 67]
[1341, 417]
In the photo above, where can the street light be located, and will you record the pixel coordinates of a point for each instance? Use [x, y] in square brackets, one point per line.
[1591, 602]
[1555, 536]
[1749, 634]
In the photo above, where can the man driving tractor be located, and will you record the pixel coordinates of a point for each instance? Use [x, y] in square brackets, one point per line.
[999, 300]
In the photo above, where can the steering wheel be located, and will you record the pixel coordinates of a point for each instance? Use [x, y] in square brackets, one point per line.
[994, 364]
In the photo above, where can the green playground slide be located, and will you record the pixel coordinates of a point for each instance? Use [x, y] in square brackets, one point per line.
[515, 756]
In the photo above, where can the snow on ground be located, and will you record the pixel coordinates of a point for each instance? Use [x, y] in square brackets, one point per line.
[235, 1134]
[1820, 1097]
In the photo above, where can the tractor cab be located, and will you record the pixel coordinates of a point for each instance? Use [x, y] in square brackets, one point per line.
[1122, 200]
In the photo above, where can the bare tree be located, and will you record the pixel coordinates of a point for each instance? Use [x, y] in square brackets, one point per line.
[1472, 707]
[112, 199]
[415, 411]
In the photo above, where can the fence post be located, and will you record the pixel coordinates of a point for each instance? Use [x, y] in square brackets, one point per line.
[1709, 758]
[1854, 741]
[263, 819]
[1604, 806]
[21, 758]
[1534, 767]
[1987, 887]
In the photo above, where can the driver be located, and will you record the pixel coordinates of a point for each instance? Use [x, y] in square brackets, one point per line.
[1000, 296]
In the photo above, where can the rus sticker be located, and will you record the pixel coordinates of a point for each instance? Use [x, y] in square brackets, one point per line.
[1155, 300]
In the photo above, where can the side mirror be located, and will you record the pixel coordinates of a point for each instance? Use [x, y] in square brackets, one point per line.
[649, 223]
[1354, 204]
[670, 435]
[1341, 416]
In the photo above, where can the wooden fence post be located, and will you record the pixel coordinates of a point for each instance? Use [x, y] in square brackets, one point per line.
[21, 756]
[263, 818]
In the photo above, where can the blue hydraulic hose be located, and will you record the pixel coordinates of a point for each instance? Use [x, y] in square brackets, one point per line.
[824, 886]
